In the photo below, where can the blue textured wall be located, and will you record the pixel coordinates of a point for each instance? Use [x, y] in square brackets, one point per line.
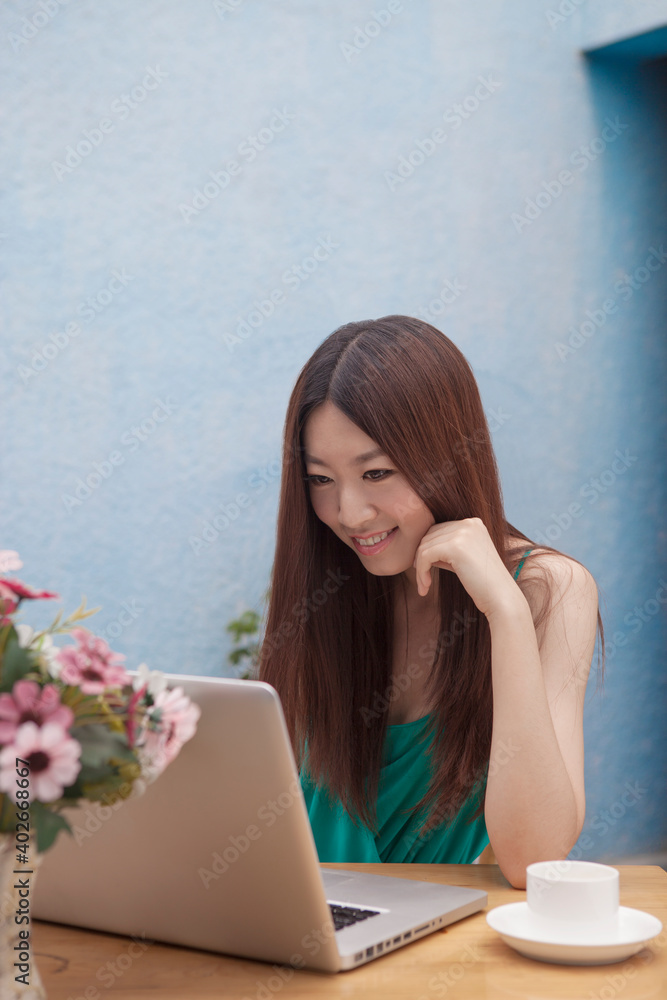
[169, 170]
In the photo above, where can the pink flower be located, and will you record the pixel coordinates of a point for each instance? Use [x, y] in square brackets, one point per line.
[23, 590]
[91, 665]
[176, 718]
[12, 592]
[53, 760]
[30, 703]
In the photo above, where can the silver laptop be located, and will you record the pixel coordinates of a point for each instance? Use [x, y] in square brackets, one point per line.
[218, 854]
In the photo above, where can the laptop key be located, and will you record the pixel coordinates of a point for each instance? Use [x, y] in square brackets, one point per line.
[345, 916]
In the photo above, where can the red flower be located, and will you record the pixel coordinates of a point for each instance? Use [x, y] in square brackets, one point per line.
[131, 722]
[12, 592]
[23, 590]
[8, 604]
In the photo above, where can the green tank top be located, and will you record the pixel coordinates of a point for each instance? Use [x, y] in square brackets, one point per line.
[404, 778]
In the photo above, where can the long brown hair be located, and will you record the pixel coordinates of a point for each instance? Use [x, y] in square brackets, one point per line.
[327, 647]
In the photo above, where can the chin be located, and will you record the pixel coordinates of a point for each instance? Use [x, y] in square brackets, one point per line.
[382, 572]
[388, 569]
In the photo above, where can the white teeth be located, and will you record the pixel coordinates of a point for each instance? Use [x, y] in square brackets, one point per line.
[373, 540]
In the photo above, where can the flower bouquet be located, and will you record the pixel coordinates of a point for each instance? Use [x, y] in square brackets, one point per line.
[74, 725]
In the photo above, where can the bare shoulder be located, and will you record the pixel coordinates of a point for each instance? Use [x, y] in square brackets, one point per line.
[566, 574]
[556, 584]
[563, 579]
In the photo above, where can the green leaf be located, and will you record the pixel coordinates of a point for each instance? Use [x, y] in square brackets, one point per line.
[94, 782]
[78, 615]
[7, 814]
[94, 775]
[99, 744]
[107, 786]
[74, 791]
[47, 825]
[237, 655]
[16, 663]
[246, 624]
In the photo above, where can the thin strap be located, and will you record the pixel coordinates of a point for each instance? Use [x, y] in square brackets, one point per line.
[518, 569]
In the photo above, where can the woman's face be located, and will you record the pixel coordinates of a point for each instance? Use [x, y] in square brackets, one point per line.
[357, 491]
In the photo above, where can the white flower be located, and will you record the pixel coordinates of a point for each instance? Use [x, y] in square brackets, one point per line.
[176, 717]
[9, 561]
[43, 644]
[25, 634]
[154, 680]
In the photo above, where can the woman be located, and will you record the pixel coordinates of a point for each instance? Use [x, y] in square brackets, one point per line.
[431, 660]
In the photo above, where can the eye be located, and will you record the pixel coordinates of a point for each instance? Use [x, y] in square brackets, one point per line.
[374, 475]
[377, 474]
[317, 480]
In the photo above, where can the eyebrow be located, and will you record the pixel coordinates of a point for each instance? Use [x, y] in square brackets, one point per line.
[366, 457]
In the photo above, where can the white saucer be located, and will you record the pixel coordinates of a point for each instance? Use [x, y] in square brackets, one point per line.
[572, 944]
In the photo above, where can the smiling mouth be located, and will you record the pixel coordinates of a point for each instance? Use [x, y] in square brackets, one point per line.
[374, 539]
[374, 543]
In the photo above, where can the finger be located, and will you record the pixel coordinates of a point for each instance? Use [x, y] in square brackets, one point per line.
[423, 576]
[416, 568]
[436, 549]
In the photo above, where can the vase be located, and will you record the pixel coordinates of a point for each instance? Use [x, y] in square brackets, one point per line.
[19, 975]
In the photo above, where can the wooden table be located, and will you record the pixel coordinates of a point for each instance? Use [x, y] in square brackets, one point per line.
[466, 959]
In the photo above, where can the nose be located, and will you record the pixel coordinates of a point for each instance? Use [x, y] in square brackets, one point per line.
[356, 514]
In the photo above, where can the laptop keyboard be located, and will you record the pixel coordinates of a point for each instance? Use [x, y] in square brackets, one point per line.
[344, 916]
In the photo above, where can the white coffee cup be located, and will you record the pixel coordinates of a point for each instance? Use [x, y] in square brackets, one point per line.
[584, 893]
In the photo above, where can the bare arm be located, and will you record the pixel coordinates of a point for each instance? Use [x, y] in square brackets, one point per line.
[535, 800]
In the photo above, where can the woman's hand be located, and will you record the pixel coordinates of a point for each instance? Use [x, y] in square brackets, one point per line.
[465, 548]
